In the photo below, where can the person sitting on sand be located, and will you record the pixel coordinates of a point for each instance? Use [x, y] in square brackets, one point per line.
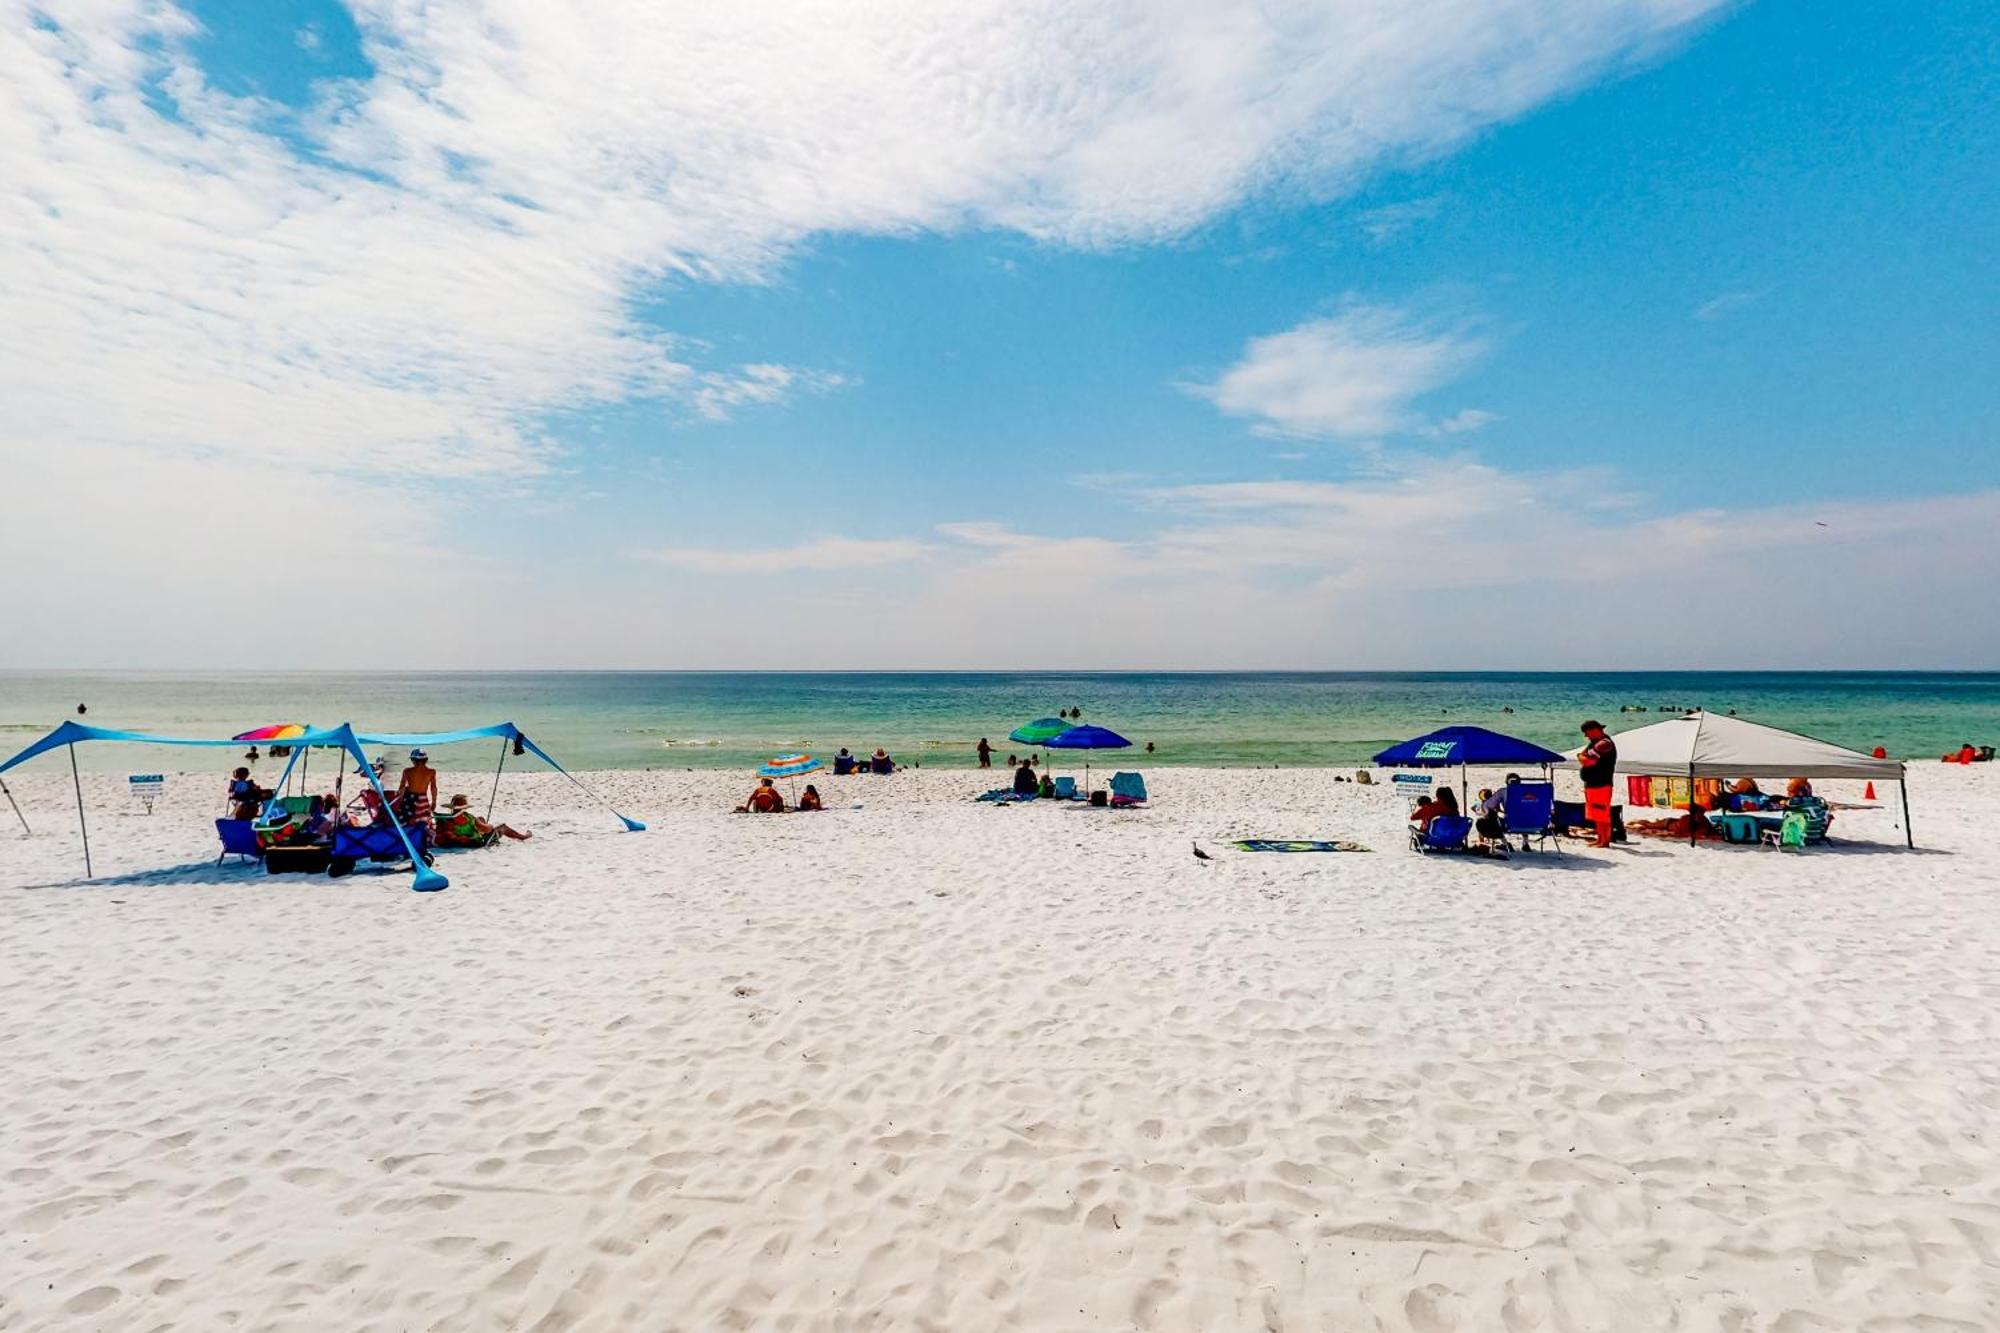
[843, 763]
[881, 762]
[459, 827]
[246, 798]
[809, 799]
[1024, 780]
[765, 800]
[416, 791]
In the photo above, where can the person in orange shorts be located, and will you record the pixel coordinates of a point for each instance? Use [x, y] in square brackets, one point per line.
[1598, 762]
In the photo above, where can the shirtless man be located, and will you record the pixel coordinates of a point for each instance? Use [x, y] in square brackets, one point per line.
[419, 785]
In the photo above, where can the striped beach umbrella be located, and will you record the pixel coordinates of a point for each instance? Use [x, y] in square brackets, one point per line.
[277, 731]
[790, 766]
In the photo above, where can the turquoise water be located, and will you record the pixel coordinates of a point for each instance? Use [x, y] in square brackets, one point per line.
[733, 720]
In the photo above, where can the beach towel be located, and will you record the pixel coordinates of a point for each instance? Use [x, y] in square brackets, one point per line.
[1005, 796]
[1294, 845]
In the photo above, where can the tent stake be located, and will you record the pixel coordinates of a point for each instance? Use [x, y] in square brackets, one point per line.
[496, 778]
[78, 780]
[17, 810]
[1909, 834]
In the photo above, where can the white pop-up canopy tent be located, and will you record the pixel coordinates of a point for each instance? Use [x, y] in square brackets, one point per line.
[1705, 745]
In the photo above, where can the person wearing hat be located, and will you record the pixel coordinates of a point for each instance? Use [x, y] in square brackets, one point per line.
[459, 827]
[417, 790]
[1597, 761]
[881, 762]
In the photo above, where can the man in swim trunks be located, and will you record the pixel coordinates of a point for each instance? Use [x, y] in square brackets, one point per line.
[1598, 761]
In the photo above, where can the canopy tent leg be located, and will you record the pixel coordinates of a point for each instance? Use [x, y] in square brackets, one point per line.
[1694, 830]
[1909, 834]
[77, 778]
[305, 766]
[496, 778]
[521, 739]
[17, 809]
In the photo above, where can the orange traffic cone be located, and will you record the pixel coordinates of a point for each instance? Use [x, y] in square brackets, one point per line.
[1868, 792]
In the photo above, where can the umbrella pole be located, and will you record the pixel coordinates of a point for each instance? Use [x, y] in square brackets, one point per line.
[23, 818]
[1909, 834]
[78, 780]
[305, 767]
[496, 778]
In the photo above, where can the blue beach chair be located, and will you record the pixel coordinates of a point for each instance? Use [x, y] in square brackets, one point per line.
[239, 838]
[1445, 833]
[1530, 812]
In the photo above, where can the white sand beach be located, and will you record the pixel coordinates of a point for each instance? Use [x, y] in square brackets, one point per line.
[920, 1063]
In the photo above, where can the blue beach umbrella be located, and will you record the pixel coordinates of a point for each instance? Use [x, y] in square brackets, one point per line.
[1087, 738]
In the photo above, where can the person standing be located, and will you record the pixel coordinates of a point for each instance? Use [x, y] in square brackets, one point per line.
[985, 753]
[1598, 761]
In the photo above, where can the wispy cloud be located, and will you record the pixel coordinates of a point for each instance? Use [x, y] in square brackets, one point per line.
[1351, 376]
[1391, 222]
[828, 554]
[1728, 303]
[1462, 422]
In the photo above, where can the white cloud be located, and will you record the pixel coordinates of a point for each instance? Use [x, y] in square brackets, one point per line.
[1391, 222]
[454, 258]
[1351, 376]
[1728, 303]
[1462, 422]
[825, 554]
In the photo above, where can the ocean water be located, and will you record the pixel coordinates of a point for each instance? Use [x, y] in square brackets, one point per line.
[735, 719]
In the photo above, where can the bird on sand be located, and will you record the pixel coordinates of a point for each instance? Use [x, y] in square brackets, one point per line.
[1200, 855]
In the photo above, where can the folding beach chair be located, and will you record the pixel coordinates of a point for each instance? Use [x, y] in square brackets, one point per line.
[1529, 809]
[1065, 788]
[1445, 833]
[1803, 826]
[239, 838]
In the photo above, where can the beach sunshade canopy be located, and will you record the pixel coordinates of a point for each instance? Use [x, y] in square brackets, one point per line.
[1455, 747]
[1708, 745]
[789, 766]
[277, 731]
[1039, 732]
[344, 737]
[1087, 738]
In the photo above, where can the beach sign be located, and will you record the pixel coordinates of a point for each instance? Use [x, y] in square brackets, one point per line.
[1412, 786]
[147, 788]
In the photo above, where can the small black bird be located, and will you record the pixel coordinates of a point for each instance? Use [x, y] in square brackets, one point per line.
[1200, 855]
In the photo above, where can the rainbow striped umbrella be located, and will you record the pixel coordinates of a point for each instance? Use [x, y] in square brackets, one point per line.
[789, 766]
[277, 731]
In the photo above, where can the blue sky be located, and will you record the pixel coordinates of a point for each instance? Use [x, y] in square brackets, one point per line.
[1528, 321]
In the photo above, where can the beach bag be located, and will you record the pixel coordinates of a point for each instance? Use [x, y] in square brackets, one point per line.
[1792, 832]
